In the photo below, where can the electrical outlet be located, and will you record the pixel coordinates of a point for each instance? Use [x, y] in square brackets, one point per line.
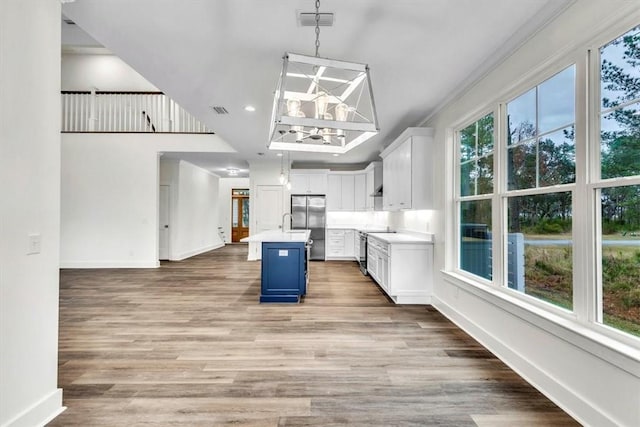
[34, 244]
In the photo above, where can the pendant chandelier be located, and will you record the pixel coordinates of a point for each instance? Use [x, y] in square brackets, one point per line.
[322, 105]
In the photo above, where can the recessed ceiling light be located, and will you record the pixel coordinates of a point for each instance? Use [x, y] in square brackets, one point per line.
[279, 154]
[335, 154]
[250, 108]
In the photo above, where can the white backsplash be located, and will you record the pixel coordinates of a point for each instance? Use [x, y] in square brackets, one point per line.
[418, 221]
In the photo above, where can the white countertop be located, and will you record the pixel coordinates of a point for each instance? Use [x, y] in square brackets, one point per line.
[403, 237]
[357, 228]
[279, 236]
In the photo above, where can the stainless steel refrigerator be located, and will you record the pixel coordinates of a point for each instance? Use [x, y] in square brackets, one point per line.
[309, 213]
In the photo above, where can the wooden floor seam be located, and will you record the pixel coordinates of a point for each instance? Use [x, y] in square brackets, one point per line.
[188, 344]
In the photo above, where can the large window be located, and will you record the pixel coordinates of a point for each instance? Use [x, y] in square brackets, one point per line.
[547, 181]
[540, 152]
[476, 145]
[618, 190]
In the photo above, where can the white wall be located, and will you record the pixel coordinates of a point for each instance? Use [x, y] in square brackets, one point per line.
[198, 212]
[109, 200]
[29, 172]
[103, 72]
[598, 384]
[224, 202]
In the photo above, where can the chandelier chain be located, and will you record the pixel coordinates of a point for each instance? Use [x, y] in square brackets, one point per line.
[317, 27]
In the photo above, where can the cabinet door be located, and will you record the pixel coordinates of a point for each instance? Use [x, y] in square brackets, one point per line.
[383, 266]
[334, 192]
[372, 262]
[299, 184]
[387, 188]
[317, 184]
[360, 192]
[349, 243]
[402, 184]
[369, 200]
[348, 188]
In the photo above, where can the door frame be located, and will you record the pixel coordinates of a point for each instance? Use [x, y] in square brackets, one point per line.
[242, 197]
[168, 213]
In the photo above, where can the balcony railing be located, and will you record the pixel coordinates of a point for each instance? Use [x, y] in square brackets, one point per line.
[126, 112]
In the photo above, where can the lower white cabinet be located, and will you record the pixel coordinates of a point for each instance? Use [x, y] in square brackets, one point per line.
[403, 270]
[340, 244]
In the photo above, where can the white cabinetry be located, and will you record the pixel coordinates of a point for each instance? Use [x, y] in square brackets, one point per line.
[373, 184]
[360, 192]
[309, 183]
[378, 262]
[407, 171]
[340, 244]
[403, 270]
[341, 194]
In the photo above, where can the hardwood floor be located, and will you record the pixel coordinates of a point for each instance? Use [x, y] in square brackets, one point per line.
[188, 344]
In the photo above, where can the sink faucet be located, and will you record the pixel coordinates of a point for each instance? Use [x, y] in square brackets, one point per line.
[283, 217]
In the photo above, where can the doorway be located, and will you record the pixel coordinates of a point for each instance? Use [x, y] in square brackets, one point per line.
[239, 214]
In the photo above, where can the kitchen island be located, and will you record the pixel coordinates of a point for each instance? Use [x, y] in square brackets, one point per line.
[285, 271]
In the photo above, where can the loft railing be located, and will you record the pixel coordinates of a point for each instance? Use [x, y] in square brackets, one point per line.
[126, 112]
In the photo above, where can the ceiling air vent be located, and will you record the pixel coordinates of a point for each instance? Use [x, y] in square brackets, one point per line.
[308, 19]
[220, 109]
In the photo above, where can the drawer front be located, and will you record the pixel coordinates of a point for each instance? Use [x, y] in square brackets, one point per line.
[336, 242]
[335, 233]
[335, 252]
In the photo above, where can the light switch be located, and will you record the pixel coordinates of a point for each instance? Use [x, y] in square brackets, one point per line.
[34, 244]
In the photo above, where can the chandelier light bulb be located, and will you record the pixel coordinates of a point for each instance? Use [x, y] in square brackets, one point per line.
[342, 110]
[322, 100]
[293, 107]
[282, 178]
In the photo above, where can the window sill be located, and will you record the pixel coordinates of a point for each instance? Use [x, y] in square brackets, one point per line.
[620, 354]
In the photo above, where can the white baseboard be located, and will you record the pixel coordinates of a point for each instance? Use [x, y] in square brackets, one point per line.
[412, 298]
[564, 397]
[195, 252]
[110, 264]
[40, 413]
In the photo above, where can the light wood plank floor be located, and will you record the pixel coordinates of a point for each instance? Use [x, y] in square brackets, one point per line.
[188, 344]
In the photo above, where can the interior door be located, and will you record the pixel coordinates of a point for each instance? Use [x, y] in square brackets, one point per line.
[163, 231]
[267, 211]
[269, 208]
[239, 214]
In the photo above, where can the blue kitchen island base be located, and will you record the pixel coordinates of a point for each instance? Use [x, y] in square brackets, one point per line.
[284, 271]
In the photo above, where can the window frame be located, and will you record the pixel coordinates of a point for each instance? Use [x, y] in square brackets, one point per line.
[457, 182]
[585, 319]
[595, 183]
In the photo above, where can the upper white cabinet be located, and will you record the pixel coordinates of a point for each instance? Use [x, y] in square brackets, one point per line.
[309, 183]
[373, 200]
[341, 191]
[360, 192]
[407, 171]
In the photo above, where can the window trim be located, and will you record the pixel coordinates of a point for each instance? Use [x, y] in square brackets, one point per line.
[459, 198]
[596, 341]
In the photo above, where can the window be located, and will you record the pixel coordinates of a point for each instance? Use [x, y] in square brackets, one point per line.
[476, 147]
[541, 153]
[618, 190]
[545, 183]
[540, 134]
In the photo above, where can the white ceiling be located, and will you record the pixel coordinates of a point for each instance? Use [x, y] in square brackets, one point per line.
[228, 53]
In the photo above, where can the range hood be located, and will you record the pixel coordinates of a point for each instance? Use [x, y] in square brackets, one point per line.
[377, 192]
